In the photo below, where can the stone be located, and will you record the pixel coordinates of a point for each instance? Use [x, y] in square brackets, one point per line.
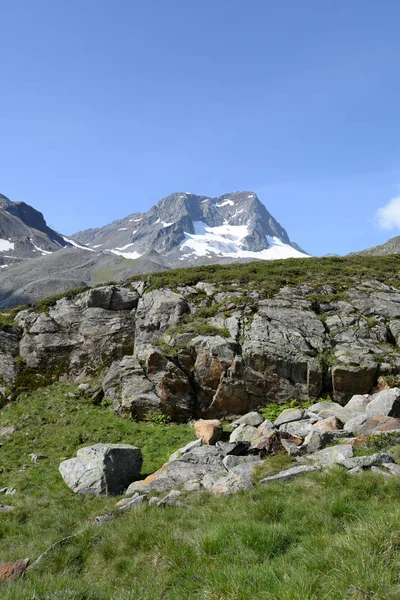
[365, 462]
[271, 442]
[35, 457]
[195, 464]
[298, 429]
[103, 469]
[232, 448]
[6, 431]
[358, 404]
[133, 502]
[4, 508]
[331, 409]
[101, 519]
[230, 461]
[10, 571]
[154, 501]
[238, 478]
[329, 424]
[170, 498]
[314, 441]
[383, 472]
[393, 468]
[364, 425]
[243, 433]
[288, 474]
[329, 456]
[288, 415]
[265, 426]
[254, 419]
[181, 451]
[83, 387]
[209, 431]
[385, 403]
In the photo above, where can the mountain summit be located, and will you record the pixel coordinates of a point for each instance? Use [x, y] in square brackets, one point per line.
[193, 228]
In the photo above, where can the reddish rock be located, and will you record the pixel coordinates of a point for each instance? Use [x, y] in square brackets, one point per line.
[379, 423]
[270, 442]
[209, 431]
[329, 424]
[13, 570]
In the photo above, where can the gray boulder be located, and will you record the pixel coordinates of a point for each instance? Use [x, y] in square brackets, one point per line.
[289, 474]
[331, 409]
[385, 403]
[288, 415]
[103, 469]
[329, 456]
[243, 433]
[254, 419]
[358, 404]
[195, 464]
[298, 429]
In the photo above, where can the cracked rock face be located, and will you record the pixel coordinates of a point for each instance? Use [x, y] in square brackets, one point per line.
[164, 356]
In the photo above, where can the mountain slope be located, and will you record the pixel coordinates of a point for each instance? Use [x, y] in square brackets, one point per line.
[392, 246]
[193, 228]
[24, 233]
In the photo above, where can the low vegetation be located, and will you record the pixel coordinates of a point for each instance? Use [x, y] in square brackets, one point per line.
[269, 276]
[328, 536]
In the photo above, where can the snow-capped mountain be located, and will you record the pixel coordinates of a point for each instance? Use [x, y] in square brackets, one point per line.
[24, 233]
[190, 228]
[182, 229]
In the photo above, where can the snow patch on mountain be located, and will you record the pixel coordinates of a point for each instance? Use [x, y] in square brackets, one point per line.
[6, 245]
[228, 241]
[77, 245]
[130, 255]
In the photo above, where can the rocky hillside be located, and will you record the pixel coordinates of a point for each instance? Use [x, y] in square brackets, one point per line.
[208, 349]
[392, 246]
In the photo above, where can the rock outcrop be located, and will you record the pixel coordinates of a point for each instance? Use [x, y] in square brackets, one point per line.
[202, 352]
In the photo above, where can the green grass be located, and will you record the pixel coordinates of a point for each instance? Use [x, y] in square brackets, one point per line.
[328, 536]
[269, 276]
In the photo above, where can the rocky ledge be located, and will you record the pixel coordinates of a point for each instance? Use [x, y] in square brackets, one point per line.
[202, 351]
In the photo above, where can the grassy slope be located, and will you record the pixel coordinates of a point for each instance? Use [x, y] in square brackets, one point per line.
[328, 536]
[324, 537]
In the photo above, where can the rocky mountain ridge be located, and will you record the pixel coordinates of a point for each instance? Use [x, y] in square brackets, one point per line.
[188, 227]
[25, 234]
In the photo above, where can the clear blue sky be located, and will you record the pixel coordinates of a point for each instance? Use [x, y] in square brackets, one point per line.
[106, 106]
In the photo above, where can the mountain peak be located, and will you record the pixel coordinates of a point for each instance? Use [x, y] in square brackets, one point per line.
[186, 226]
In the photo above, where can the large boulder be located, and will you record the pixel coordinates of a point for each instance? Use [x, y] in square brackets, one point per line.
[385, 403]
[193, 465]
[103, 469]
[209, 431]
[362, 424]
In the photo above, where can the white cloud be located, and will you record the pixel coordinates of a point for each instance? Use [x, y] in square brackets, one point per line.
[388, 216]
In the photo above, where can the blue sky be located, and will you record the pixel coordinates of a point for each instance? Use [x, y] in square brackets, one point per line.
[106, 107]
